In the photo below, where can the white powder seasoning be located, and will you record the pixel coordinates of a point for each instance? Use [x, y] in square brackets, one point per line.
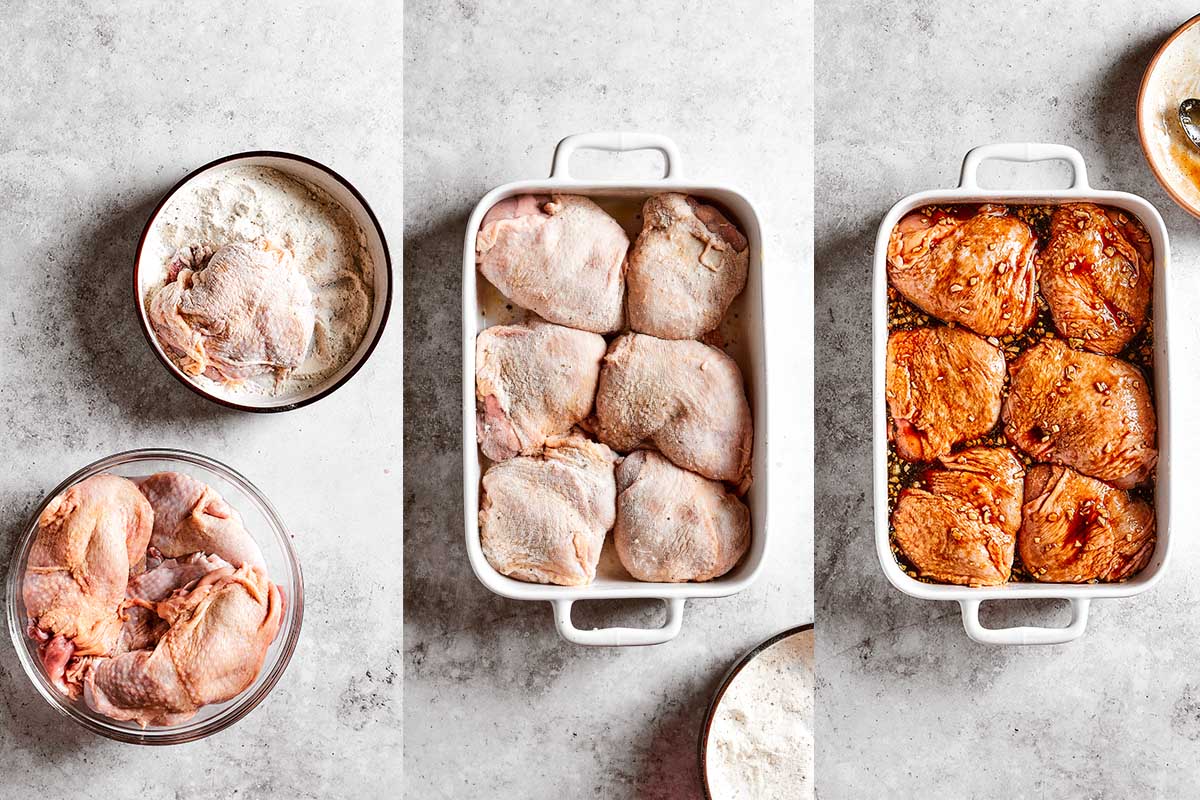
[760, 745]
[244, 204]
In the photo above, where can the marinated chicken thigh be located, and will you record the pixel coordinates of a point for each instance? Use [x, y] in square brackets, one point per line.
[532, 380]
[561, 257]
[962, 527]
[543, 518]
[1095, 273]
[142, 626]
[683, 397]
[943, 388]
[674, 525]
[686, 267]
[235, 312]
[971, 267]
[190, 517]
[1077, 528]
[1090, 412]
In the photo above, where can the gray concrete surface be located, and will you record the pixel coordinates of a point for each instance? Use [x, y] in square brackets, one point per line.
[102, 108]
[495, 704]
[907, 705]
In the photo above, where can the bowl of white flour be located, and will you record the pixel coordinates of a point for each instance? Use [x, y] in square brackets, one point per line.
[325, 231]
[757, 739]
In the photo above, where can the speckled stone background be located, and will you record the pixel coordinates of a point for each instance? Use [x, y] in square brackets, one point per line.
[102, 108]
[495, 704]
[907, 705]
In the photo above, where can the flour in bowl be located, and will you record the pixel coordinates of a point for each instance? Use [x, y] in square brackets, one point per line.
[255, 204]
[760, 744]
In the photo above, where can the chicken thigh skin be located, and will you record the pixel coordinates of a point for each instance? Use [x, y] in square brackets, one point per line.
[190, 517]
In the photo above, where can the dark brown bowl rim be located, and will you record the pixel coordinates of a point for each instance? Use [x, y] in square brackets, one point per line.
[1162, 181]
[149, 334]
[726, 680]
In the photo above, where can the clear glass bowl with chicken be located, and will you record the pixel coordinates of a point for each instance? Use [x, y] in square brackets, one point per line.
[155, 597]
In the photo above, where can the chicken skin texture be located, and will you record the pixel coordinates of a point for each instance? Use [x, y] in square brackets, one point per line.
[142, 626]
[975, 268]
[190, 517]
[683, 397]
[1086, 411]
[543, 518]
[561, 257]
[533, 380]
[235, 312]
[943, 387]
[686, 267]
[674, 525]
[962, 527]
[1095, 274]
[1078, 529]
[89, 540]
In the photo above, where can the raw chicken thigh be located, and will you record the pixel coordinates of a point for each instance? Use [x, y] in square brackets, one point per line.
[1087, 411]
[974, 268]
[234, 313]
[143, 627]
[190, 517]
[561, 257]
[544, 518]
[943, 388]
[686, 267]
[532, 380]
[684, 398]
[673, 525]
[1078, 529]
[1095, 273]
[962, 527]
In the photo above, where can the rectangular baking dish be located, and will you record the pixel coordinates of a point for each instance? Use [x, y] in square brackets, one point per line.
[1081, 595]
[483, 306]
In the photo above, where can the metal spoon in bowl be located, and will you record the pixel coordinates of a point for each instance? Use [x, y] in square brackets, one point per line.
[1189, 119]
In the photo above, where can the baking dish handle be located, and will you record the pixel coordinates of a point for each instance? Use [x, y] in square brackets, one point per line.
[1026, 634]
[618, 637]
[616, 142]
[1025, 152]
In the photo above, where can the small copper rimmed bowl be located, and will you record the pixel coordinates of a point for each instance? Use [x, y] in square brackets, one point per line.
[1172, 76]
[344, 194]
[272, 537]
[723, 686]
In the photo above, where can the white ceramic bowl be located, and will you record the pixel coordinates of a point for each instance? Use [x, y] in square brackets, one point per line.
[338, 188]
[1079, 595]
[483, 307]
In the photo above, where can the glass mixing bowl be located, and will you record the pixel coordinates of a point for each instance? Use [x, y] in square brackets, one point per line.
[273, 539]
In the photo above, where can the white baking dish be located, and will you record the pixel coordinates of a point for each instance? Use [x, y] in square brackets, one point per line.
[1080, 596]
[483, 307]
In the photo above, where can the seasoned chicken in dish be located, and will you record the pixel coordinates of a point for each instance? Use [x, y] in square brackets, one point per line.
[532, 380]
[686, 267]
[971, 267]
[683, 397]
[190, 517]
[674, 525]
[1095, 273]
[142, 627]
[1077, 528]
[1087, 411]
[543, 518]
[943, 388]
[561, 257]
[962, 527]
[235, 312]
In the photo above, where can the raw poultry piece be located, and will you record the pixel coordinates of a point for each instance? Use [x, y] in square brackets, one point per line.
[962, 527]
[943, 387]
[974, 267]
[219, 633]
[560, 256]
[1095, 273]
[1078, 529]
[142, 627]
[190, 517]
[674, 525]
[543, 518]
[235, 312]
[532, 380]
[686, 267]
[684, 398]
[89, 540]
[1087, 411]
